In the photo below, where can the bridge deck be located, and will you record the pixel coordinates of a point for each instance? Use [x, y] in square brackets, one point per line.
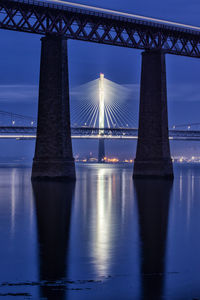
[112, 14]
[17, 132]
[97, 25]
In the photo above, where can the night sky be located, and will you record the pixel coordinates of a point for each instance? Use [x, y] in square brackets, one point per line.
[20, 59]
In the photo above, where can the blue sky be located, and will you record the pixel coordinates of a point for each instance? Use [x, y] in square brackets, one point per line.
[20, 60]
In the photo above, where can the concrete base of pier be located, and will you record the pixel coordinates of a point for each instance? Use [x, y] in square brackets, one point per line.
[153, 157]
[53, 153]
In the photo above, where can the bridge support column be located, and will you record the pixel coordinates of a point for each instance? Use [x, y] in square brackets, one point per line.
[101, 152]
[53, 153]
[153, 152]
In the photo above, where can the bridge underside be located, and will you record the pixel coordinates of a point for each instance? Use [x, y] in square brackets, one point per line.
[153, 153]
[53, 153]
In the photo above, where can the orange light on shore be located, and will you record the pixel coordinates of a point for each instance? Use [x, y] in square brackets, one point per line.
[111, 160]
[129, 161]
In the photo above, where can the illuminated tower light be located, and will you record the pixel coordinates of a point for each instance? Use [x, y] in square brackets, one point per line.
[101, 151]
[101, 103]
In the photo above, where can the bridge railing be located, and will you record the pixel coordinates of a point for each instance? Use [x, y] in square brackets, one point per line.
[93, 11]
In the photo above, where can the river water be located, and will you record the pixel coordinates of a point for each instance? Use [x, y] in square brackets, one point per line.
[105, 237]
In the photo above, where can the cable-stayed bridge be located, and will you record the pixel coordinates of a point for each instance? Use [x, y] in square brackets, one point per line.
[100, 109]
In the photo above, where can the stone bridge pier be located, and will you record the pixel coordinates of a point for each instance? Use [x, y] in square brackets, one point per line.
[53, 157]
[153, 157]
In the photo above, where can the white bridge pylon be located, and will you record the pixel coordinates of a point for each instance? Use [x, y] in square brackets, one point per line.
[101, 103]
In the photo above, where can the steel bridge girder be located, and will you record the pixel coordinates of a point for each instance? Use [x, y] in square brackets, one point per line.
[97, 27]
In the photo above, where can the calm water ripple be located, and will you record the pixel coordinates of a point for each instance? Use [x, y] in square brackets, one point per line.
[104, 237]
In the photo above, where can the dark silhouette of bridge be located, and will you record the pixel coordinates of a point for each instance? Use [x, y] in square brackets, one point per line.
[86, 23]
[58, 22]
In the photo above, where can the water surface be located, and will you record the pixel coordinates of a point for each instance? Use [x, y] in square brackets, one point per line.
[105, 237]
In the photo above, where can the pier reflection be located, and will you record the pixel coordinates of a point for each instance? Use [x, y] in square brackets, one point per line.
[153, 207]
[53, 208]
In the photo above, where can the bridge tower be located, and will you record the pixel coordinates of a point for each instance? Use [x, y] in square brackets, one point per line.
[153, 157]
[101, 152]
[53, 152]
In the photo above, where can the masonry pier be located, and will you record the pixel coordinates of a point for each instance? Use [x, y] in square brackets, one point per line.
[53, 153]
[153, 152]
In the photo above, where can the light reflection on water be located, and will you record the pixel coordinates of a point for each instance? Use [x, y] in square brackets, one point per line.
[105, 237]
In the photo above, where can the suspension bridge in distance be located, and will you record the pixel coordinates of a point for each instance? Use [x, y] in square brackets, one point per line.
[57, 22]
